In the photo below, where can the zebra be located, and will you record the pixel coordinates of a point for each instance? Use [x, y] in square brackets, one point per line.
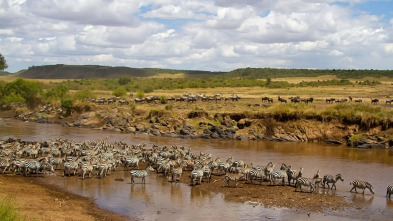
[304, 181]
[132, 161]
[207, 173]
[85, 168]
[70, 167]
[361, 185]
[5, 163]
[31, 165]
[281, 174]
[330, 179]
[196, 176]
[256, 173]
[389, 191]
[293, 175]
[141, 174]
[234, 177]
[176, 172]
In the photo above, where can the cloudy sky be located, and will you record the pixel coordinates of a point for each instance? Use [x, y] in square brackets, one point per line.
[215, 35]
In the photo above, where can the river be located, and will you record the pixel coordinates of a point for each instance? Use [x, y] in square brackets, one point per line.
[161, 200]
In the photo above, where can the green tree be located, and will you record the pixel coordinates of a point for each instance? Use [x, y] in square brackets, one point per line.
[3, 63]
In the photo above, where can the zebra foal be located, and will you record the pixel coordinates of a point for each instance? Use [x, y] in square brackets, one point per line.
[361, 185]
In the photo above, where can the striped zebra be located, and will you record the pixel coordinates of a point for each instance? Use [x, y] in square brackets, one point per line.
[256, 173]
[304, 181]
[70, 167]
[132, 161]
[176, 173]
[56, 161]
[86, 168]
[330, 179]
[31, 166]
[5, 164]
[236, 177]
[389, 191]
[361, 185]
[207, 173]
[293, 175]
[278, 175]
[141, 174]
[196, 176]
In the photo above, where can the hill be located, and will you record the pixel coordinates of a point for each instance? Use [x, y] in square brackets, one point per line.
[61, 71]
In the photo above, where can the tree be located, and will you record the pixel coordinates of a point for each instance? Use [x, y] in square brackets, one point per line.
[3, 63]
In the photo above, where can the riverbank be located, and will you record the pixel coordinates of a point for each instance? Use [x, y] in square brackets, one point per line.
[40, 198]
[355, 125]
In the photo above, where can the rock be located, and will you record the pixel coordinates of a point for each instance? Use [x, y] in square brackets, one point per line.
[130, 129]
[155, 132]
[140, 128]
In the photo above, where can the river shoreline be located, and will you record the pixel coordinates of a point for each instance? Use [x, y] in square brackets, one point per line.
[231, 127]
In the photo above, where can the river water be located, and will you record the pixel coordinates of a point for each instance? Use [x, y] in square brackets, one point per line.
[161, 200]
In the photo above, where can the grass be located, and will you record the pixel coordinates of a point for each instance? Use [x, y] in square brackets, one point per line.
[8, 211]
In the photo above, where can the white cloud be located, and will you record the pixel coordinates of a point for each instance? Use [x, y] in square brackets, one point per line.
[194, 34]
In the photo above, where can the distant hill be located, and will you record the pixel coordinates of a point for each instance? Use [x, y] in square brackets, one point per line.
[61, 71]
[2, 73]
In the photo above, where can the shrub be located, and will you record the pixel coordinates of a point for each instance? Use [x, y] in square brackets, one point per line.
[119, 92]
[163, 100]
[140, 94]
[83, 95]
[67, 106]
[124, 80]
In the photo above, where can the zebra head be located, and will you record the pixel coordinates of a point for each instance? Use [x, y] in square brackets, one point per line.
[339, 177]
[370, 187]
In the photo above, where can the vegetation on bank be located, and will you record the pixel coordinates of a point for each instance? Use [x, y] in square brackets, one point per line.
[8, 210]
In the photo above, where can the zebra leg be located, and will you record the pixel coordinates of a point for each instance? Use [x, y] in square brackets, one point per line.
[352, 189]
[132, 179]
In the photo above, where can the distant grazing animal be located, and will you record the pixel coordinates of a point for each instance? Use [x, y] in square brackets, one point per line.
[374, 101]
[358, 101]
[330, 100]
[268, 99]
[389, 101]
[361, 185]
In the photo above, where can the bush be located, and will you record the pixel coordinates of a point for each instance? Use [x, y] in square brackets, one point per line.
[67, 106]
[163, 100]
[83, 95]
[119, 92]
[140, 94]
[124, 80]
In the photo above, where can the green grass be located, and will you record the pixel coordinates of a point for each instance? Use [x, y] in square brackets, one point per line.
[8, 210]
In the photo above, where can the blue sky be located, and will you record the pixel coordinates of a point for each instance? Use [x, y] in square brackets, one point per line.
[216, 35]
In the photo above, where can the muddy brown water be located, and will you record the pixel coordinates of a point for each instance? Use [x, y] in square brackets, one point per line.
[162, 200]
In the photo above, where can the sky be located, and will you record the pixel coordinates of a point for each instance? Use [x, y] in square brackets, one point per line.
[210, 35]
